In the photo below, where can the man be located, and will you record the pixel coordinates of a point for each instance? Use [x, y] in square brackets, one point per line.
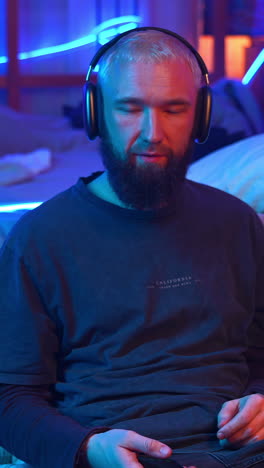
[131, 304]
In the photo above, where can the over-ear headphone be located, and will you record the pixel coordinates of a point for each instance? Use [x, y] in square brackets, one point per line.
[90, 94]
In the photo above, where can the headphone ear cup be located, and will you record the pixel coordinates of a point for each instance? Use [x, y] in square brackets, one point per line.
[203, 114]
[90, 110]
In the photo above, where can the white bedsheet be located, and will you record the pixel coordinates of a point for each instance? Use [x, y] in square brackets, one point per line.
[237, 169]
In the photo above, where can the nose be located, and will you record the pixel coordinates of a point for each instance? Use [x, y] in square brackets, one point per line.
[152, 131]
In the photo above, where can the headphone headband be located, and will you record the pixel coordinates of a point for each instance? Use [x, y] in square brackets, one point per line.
[113, 41]
[93, 108]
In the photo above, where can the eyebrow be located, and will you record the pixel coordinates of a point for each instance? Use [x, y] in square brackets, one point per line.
[169, 102]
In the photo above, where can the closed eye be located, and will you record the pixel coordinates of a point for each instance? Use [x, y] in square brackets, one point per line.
[129, 109]
[177, 110]
[173, 111]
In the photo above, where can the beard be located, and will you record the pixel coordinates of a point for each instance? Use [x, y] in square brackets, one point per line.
[145, 186]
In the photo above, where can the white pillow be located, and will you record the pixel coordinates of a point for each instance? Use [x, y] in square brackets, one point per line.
[237, 169]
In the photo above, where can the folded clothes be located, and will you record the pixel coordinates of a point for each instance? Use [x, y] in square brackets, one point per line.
[16, 168]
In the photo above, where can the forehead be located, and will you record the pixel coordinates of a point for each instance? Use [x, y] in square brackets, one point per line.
[149, 81]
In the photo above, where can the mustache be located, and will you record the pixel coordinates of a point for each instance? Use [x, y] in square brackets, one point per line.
[149, 148]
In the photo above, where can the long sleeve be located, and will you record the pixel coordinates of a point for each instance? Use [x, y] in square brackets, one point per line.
[255, 352]
[255, 355]
[31, 427]
[256, 379]
[35, 432]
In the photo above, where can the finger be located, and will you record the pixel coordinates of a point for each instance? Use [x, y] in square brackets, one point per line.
[226, 444]
[250, 431]
[255, 437]
[151, 447]
[237, 443]
[239, 421]
[227, 412]
[127, 459]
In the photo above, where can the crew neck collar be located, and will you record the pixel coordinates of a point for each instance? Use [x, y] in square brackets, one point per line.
[83, 187]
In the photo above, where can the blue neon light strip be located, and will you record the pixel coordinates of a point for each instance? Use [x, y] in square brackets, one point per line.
[101, 33]
[18, 206]
[3, 59]
[258, 62]
[115, 21]
[59, 48]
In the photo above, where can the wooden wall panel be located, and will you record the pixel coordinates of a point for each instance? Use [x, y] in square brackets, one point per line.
[12, 51]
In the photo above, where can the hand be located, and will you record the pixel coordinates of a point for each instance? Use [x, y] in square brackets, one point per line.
[241, 421]
[118, 448]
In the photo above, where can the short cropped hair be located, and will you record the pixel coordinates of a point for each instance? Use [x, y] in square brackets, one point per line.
[148, 47]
